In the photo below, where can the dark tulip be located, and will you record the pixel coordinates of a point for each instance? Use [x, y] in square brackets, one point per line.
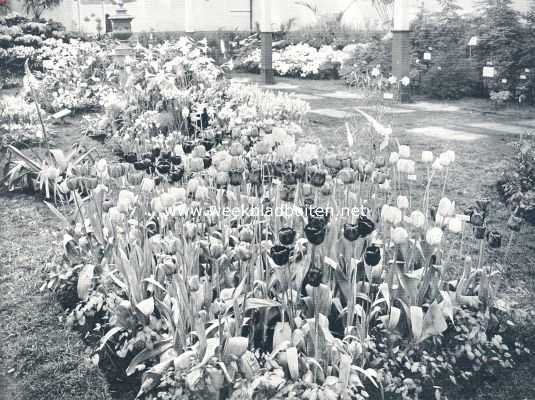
[278, 169]
[188, 146]
[318, 217]
[287, 235]
[318, 178]
[514, 223]
[207, 160]
[290, 179]
[156, 152]
[153, 227]
[477, 218]
[177, 174]
[175, 160]
[140, 166]
[479, 232]
[300, 171]
[255, 176]
[166, 155]
[351, 232]
[372, 256]
[119, 153]
[366, 225]
[433, 213]
[483, 203]
[280, 254]
[235, 177]
[307, 203]
[313, 277]
[380, 162]
[163, 167]
[131, 157]
[494, 239]
[148, 156]
[315, 234]
[469, 211]
[208, 144]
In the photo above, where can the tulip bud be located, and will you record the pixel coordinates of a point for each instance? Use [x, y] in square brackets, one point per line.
[434, 236]
[394, 158]
[280, 254]
[494, 239]
[147, 185]
[402, 202]
[372, 256]
[427, 157]
[514, 223]
[417, 219]
[404, 151]
[399, 235]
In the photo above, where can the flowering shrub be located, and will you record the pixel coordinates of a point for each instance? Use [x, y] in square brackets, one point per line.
[21, 39]
[517, 183]
[300, 60]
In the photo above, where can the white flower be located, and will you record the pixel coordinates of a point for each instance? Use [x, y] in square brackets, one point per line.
[392, 80]
[394, 157]
[376, 72]
[455, 225]
[115, 216]
[410, 167]
[178, 194]
[399, 235]
[444, 207]
[201, 193]
[434, 236]
[101, 165]
[157, 204]
[403, 202]
[447, 158]
[427, 157]
[167, 199]
[391, 214]
[404, 151]
[147, 185]
[417, 219]
[405, 81]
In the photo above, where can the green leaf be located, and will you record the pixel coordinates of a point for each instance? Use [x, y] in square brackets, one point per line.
[85, 281]
[148, 354]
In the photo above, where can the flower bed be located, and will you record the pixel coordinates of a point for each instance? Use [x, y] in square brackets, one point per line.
[221, 255]
[300, 61]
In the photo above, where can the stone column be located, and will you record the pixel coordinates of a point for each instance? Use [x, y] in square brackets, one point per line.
[401, 46]
[266, 66]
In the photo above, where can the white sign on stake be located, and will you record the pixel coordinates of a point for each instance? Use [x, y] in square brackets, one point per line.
[473, 41]
[488, 72]
[427, 56]
[388, 96]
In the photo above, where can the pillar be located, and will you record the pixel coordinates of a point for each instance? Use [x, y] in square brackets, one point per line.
[266, 66]
[401, 46]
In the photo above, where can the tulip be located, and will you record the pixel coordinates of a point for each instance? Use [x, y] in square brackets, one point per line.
[73, 183]
[427, 157]
[175, 160]
[444, 207]
[404, 151]
[178, 194]
[494, 239]
[157, 205]
[290, 179]
[115, 216]
[280, 254]
[90, 182]
[188, 146]
[351, 232]
[147, 185]
[479, 231]
[417, 219]
[165, 154]
[287, 236]
[315, 234]
[236, 149]
[402, 202]
[399, 235]
[244, 251]
[208, 144]
[455, 225]
[394, 158]
[134, 178]
[434, 236]
[190, 230]
[177, 174]
[483, 204]
[167, 199]
[318, 217]
[222, 178]
[156, 152]
[313, 276]
[379, 177]
[202, 193]
[140, 166]
[380, 162]
[372, 255]
[216, 247]
[477, 218]
[246, 235]
[131, 158]
[365, 225]
[514, 223]
[163, 167]
[318, 178]
[235, 177]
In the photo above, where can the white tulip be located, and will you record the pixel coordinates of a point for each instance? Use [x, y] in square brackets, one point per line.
[402, 202]
[147, 185]
[434, 236]
[417, 219]
[394, 157]
[427, 157]
[404, 151]
[444, 207]
[399, 235]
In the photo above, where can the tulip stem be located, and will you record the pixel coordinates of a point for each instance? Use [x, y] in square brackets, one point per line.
[481, 248]
[508, 248]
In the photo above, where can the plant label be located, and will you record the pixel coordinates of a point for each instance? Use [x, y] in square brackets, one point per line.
[488, 72]
[427, 56]
[388, 96]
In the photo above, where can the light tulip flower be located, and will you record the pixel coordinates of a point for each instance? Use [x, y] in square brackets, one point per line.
[434, 236]
[399, 235]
